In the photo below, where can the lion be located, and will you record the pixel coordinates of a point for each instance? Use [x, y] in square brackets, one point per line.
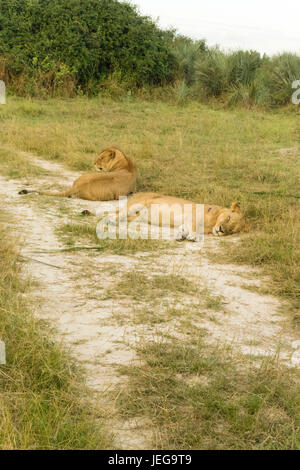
[116, 176]
[190, 219]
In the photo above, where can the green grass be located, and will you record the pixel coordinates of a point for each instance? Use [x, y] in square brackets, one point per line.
[44, 403]
[17, 166]
[213, 302]
[154, 316]
[277, 256]
[153, 287]
[74, 233]
[200, 153]
[196, 397]
[161, 298]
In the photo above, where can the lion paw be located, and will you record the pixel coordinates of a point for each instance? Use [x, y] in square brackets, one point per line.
[193, 237]
[181, 234]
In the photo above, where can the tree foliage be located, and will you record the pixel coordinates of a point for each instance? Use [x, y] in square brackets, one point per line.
[85, 38]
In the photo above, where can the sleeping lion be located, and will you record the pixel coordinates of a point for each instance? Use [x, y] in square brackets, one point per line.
[185, 216]
[116, 176]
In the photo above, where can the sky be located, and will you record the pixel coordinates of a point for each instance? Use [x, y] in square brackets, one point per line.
[269, 26]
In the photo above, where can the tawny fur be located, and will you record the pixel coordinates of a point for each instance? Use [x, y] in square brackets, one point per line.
[117, 178]
[217, 220]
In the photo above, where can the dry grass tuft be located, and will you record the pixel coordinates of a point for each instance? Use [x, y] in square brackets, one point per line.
[43, 401]
[197, 397]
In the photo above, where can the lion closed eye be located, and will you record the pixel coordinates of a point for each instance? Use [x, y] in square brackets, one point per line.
[230, 221]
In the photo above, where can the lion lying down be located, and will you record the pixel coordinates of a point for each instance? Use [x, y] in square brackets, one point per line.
[117, 178]
[184, 216]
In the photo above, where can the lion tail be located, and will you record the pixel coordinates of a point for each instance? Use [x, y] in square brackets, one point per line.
[70, 192]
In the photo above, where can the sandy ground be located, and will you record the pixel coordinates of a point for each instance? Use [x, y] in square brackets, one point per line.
[70, 292]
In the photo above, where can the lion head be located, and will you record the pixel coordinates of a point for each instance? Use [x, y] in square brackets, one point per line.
[112, 159]
[230, 221]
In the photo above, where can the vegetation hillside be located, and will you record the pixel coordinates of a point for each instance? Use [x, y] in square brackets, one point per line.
[71, 47]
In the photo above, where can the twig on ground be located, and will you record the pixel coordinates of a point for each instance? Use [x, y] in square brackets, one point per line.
[39, 261]
[75, 248]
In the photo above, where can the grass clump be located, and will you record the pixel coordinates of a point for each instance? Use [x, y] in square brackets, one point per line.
[141, 287]
[202, 398]
[43, 401]
[76, 233]
[17, 166]
[269, 252]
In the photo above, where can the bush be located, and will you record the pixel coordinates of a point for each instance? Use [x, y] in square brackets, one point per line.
[243, 66]
[278, 76]
[82, 41]
[212, 72]
[186, 52]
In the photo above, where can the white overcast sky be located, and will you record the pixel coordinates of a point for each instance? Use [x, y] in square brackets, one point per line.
[269, 26]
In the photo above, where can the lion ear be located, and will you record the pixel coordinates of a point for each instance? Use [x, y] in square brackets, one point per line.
[235, 207]
[112, 153]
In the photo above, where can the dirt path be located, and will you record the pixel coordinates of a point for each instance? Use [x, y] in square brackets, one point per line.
[99, 330]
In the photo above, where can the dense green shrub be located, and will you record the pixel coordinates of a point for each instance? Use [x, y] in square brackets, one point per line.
[245, 77]
[187, 52]
[213, 72]
[278, 75]
[82, 39]
[243, 66]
